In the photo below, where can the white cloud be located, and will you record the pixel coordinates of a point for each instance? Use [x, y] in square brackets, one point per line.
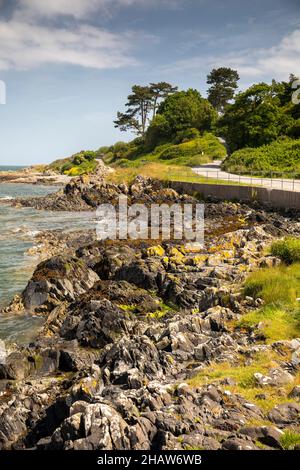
[277, 61]
[26, 42]
[27, 45]
[80, 8]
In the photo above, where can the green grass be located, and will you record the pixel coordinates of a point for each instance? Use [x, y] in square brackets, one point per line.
[194, 152]
[78, 164]
[276, 286]
[276, 324]
[288, 250]
[279, 288]
[289, 440]
[281, 157]
[243, 375]
[163, 172]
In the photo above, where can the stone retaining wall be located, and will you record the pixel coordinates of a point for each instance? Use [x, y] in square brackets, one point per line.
[277, 198]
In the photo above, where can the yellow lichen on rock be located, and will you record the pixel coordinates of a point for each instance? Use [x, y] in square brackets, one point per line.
[156, 250]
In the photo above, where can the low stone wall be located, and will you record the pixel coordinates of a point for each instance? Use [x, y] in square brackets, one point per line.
[277, 198]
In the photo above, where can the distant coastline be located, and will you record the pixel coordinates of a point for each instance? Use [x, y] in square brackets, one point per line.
[11, 167]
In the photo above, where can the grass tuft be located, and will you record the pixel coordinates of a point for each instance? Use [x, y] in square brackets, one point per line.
[289, 440]
[288, 250]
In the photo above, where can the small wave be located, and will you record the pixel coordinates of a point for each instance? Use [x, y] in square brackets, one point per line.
[33, 233]
[5, 198]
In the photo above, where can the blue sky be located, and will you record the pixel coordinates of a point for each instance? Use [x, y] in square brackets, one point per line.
[68, 65]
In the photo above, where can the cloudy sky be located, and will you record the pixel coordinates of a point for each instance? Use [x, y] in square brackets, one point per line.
[68, 65]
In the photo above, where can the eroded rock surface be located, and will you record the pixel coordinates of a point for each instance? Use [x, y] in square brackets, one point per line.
[128, 327]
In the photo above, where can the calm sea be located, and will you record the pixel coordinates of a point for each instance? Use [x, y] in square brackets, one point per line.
[11, 168]
[17, 229]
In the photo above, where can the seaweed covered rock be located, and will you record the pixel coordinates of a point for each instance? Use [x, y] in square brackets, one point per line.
[56, 280]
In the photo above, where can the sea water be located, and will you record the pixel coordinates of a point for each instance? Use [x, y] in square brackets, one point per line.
[18, 226]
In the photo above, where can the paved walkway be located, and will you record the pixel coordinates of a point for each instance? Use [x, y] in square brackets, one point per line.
[213, 170]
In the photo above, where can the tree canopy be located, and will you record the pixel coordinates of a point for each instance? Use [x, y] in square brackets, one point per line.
[141, 102]
[186, 109]
[256, 117]
[223, 83]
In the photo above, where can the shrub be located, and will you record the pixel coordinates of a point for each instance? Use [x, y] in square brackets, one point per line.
[78, 159]
[288, 250]
[102, 150]
[294, 129]
[158, 132]
[89, 155]
[206, 146]
[119, 148]
[66, 167]
[123, 162]
[282, 155]
[186, 135]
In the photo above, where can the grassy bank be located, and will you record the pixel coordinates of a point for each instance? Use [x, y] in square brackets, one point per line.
[163, 172]
[278, 319]
[281, 157]
[189, 153]
[82, 163]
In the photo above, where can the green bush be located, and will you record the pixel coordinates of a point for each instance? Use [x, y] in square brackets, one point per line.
[186, 135]
[124, 162]
[294, 129]
[158, 132]
[282, 156]
[287, 250]
[102, 150]
[207, 147]
[89, 155]
[119, 148]
[66, 167]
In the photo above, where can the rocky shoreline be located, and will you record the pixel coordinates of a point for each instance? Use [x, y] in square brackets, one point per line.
[46, 176]
[31, 176]
[129, 326]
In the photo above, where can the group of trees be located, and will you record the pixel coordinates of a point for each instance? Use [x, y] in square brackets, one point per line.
[261, 114]
[162, 106]
[142, 103]
[159, 112]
